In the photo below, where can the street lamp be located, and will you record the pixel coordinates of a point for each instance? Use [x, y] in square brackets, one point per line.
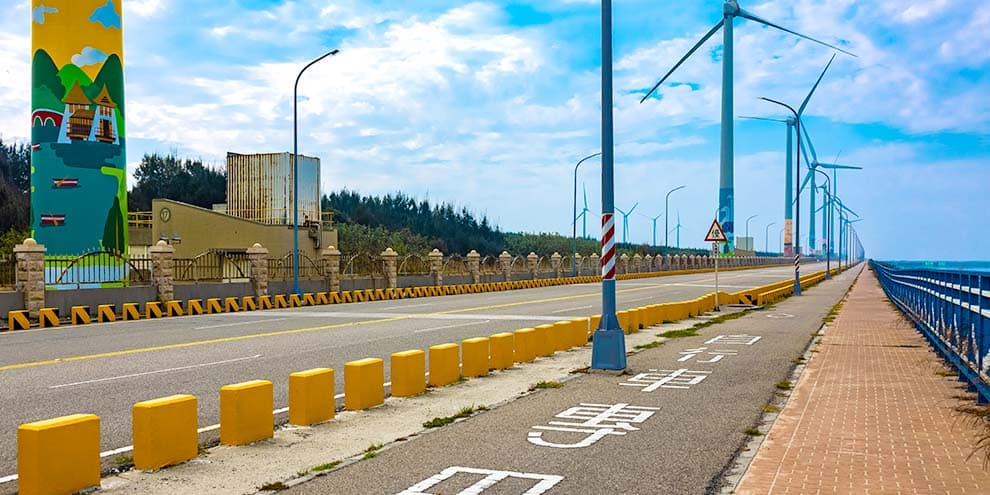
[574, 233]
[828, 214]
[781, 239]
[295, 172]
[797, 199]
[766, 237]
[666, 215]
[747, 232]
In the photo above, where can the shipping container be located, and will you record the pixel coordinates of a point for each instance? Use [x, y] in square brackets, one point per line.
[259, 188]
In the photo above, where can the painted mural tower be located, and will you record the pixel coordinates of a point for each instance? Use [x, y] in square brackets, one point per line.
[78, 164]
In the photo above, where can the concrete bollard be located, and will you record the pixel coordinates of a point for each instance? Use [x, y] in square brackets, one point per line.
[444, 364]
[59, 455]
[560, 336]
[525, 345]
[579, 332]
[246, 412]
[502, 348]
[105, 313]
[213, 306]
[596, 321]
[130, 311]
[623, 317]
[544, 341]
[408, 373]
[364, 384]
[474, 357]
[164, 431]
[311, 397]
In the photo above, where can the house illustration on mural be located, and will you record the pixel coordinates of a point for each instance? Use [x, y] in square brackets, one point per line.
[81, 122]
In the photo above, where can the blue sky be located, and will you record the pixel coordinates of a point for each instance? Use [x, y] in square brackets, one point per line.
[489, 104]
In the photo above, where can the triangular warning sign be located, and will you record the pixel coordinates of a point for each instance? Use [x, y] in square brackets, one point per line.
[715, 233]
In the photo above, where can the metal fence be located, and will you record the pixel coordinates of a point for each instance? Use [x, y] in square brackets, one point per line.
[952, 309]
[281, 268]
[97, 269]
[8, 273]
[212, 266]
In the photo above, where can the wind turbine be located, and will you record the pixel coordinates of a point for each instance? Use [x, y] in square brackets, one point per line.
[788, 175]
[654, 220]
[584, 215]
[678, 229]
[730, 10]
[625, 220]
[813, 163]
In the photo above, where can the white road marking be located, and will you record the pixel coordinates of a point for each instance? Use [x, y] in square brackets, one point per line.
[544, 482]
[721, 286]
[568, 310]
[452, 326]
[407, 306]
[156, 372]
[239, 323]
[420, 316]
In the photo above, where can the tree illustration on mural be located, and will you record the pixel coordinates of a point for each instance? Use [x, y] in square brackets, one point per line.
[113, 229]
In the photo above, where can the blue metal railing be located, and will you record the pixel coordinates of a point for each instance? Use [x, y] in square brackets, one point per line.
[952, 309]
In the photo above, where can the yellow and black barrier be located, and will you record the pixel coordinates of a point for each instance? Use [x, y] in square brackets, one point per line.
[48, 317]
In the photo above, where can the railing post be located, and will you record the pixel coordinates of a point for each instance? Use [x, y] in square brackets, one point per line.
[258, 269]
[474, 266]
[391, 261]
[436, 267]
[577, 259]
[596, 264]
[624, 263]
[31, 275]
[531, 265]
[555, 262]
[162, 270]
[505, 263]
[331, 263]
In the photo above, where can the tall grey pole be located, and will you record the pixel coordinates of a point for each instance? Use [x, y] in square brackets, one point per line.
[797, 199]
[574, 223]
[828, 210]
[295, 172]
[766, 237]
[666, 214]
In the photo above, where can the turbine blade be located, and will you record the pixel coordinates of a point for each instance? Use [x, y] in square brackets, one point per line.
[585, 186]
[807, 137]
[804, 153]
[685, 57]
[839, 167]
[807, 178]
[813, 88]
[634, 207]
[765, 118]
[754, 17]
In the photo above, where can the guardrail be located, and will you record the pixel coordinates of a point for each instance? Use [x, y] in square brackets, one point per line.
[952, 310]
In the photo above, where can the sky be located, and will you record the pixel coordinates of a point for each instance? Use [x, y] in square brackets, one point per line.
[489, 105]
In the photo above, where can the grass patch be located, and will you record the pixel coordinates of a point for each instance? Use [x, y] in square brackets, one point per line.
[324, 467]
[201, 450]
[544, 385]
[651, 345]
[946, 373]
[123, 460]
[753, 432]
[771, 409]
[273, 487]
[784, 385]
[798, 360]
[372, 451]
[679, 334]
[463, 413]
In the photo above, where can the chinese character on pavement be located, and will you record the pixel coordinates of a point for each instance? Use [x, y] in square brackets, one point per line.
[596, 421]
[543, 482]
[734, 340]
[654, 379]
[718, 354]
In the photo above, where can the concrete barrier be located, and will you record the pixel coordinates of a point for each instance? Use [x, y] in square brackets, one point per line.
[525, 345]
[280, 302]
[444, 364]
[231, 305]
[105, 313]
[308, 299]
[295, 301]
[474, 357]
[60, 455]
[311, 396]
[174, 308]
[579, 332]
[164, 431]
[246, 412]
[544, 341]
[264, 302]
[249, 303]
[194, 307]
[213, 306]
[364, 383]
[80, 315]
[47, 317]
[560, 334]
[502, 349]
[130, 311]
[408, 370]
[596, 321]
[152, 309]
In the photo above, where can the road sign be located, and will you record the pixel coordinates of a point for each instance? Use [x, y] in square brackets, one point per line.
[715, 233]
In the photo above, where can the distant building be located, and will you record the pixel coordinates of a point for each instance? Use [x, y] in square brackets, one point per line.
[260, 187]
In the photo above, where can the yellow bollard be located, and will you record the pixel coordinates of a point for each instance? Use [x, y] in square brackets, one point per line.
[165, 431]
[502, 348]
[525, 345]
[544, 342]
[174, 308]
[105, 313]
[231, 305]
[213, 306]
[195, 306]
[152, 309]
[130, 311]
[561, 336]
[444, 364]
[596, 321]
[364, 383]
[311, 396]
[408, 373]
[80, 315]
[579, 332]
[60, 455]
[47, 317]
[474, 356]
[246, 412]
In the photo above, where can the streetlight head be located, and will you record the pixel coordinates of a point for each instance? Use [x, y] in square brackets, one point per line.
[334, 51]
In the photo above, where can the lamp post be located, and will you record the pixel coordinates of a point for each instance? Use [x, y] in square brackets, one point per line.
[574, 223]
[747, 232]
[295, 172]
[666, 215]
[828, 213]
[781, 238]
[797, 199]
[766, 237]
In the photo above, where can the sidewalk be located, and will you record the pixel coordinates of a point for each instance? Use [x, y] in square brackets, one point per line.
[871, 414]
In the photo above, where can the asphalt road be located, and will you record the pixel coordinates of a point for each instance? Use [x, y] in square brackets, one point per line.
[104, 368]
[681, 442]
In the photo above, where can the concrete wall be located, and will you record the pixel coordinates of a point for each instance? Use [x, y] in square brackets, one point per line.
[200, 230]
[206, 291]
[285, 287]
[64, 300]
[11, 301]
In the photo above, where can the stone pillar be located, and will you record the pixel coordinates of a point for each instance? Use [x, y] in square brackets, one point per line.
[637, 263]
[648, 262]
[596, 264]
[30, 257]
[666, 263]
[391, 261]
[505, 263]
[474, 266]
[577, 262]
[555, 264]
[257, 268]
[624, 263]
[436, 267]
[331, 262]
[532, 262]
[163, 266]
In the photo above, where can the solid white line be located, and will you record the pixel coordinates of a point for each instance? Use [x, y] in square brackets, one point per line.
[407, 306]
[568, 310]
[452, 326]
[181, 368]
[239, 323]
[8, 479]
[116, 451]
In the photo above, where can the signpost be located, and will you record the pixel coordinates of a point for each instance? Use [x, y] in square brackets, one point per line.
[715, 236]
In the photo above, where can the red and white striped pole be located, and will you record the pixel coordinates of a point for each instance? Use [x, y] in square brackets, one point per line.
[608, 246]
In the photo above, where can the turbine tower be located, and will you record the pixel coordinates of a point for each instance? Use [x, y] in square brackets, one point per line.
[625, 220]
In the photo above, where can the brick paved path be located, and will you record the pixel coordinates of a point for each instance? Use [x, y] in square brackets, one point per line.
[871, 414]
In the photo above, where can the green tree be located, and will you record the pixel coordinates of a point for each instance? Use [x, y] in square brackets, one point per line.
[169, 177]
[114, 230]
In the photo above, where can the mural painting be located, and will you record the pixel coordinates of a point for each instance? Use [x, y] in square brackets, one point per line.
[78, 164]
